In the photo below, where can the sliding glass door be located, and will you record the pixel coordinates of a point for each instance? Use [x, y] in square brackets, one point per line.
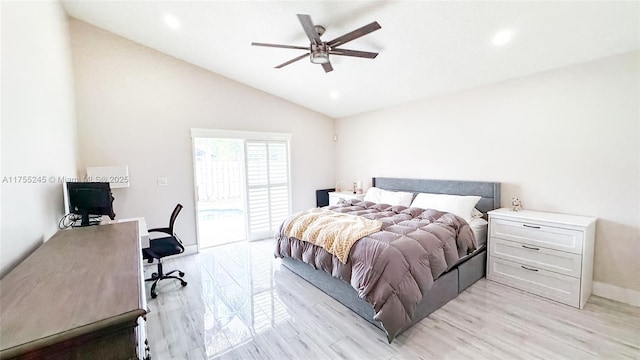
[267, 164]
[220, 195]
[242, 184]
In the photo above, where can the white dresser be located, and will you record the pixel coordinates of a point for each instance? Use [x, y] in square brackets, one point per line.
[546, 254]
[335, 197]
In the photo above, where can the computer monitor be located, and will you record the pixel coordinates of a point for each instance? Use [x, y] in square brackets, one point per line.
[90, 198]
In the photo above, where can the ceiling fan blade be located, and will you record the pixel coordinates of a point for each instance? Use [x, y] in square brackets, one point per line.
[292, 61]
[327, 67]
[356, 53]
[354, 34]
[280, 46]
[308, 27]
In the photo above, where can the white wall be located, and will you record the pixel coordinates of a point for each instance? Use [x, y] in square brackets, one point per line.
[136, 106]
[564, 141]
[38, 124]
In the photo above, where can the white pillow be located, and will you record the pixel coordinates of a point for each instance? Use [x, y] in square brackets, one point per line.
[479, 228]
[373, 195]
[394, 198]
[455, 204]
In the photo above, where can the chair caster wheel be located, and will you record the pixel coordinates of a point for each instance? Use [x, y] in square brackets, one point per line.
[154, 295]
[181, 273]
[154, 275]
[184, 283]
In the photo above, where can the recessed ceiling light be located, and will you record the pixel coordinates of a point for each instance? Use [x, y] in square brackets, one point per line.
[502, 37]
[334, 94]
[171, 21]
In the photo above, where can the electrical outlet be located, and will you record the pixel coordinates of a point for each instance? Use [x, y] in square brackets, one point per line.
[162, 181]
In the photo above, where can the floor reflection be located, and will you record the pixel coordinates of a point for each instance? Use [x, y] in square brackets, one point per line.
[231, 299]
[242, 304]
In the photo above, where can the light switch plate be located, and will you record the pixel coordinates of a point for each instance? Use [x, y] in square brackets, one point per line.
[162, 181]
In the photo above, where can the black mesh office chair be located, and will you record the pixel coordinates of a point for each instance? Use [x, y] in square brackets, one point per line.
[161, 247]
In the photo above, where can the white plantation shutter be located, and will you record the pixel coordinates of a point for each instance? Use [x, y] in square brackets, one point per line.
[267, 166]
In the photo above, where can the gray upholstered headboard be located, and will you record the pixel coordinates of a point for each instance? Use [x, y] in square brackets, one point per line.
[489, 191]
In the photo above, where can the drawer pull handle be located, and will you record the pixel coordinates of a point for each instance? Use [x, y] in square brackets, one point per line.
[530, 248]
[531, 226]
[526, 268]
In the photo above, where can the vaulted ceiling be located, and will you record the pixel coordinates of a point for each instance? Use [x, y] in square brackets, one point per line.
[425, 48]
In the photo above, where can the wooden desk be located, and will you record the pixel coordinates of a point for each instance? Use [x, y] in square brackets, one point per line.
[142, 228]
[80, 295]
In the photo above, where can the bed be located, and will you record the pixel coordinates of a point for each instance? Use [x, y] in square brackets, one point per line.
[460, 272]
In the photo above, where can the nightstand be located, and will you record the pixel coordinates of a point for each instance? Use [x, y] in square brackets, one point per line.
[546, 254]
[335, 197]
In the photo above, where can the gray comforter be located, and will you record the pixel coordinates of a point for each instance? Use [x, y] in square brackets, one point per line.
[393, 268]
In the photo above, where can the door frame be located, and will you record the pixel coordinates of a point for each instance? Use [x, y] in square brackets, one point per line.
[233, 134]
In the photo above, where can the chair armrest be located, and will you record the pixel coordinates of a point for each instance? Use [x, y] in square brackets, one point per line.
[165, 230]
[179, 241]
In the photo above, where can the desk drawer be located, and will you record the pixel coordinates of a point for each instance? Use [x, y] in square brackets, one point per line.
[541, 258]
[533, 234]
[554, 286]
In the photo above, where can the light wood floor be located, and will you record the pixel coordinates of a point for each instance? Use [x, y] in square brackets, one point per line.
[242, 304]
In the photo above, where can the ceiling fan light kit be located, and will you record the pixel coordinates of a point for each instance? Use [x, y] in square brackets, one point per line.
[319, 57]
[319, 50]
[319, 53]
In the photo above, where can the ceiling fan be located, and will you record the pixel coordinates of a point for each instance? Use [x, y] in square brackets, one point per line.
[319, 51]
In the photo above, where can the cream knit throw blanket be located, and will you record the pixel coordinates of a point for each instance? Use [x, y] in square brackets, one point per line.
[334, 232]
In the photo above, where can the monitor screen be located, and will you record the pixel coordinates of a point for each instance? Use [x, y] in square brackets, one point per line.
[90, 198]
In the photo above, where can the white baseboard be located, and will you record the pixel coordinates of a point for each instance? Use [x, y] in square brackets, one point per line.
[190, 250]
[627, 296]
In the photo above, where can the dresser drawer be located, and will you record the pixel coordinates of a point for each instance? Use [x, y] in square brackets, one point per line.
[538, 235]
[538, 257]
[562, 288]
